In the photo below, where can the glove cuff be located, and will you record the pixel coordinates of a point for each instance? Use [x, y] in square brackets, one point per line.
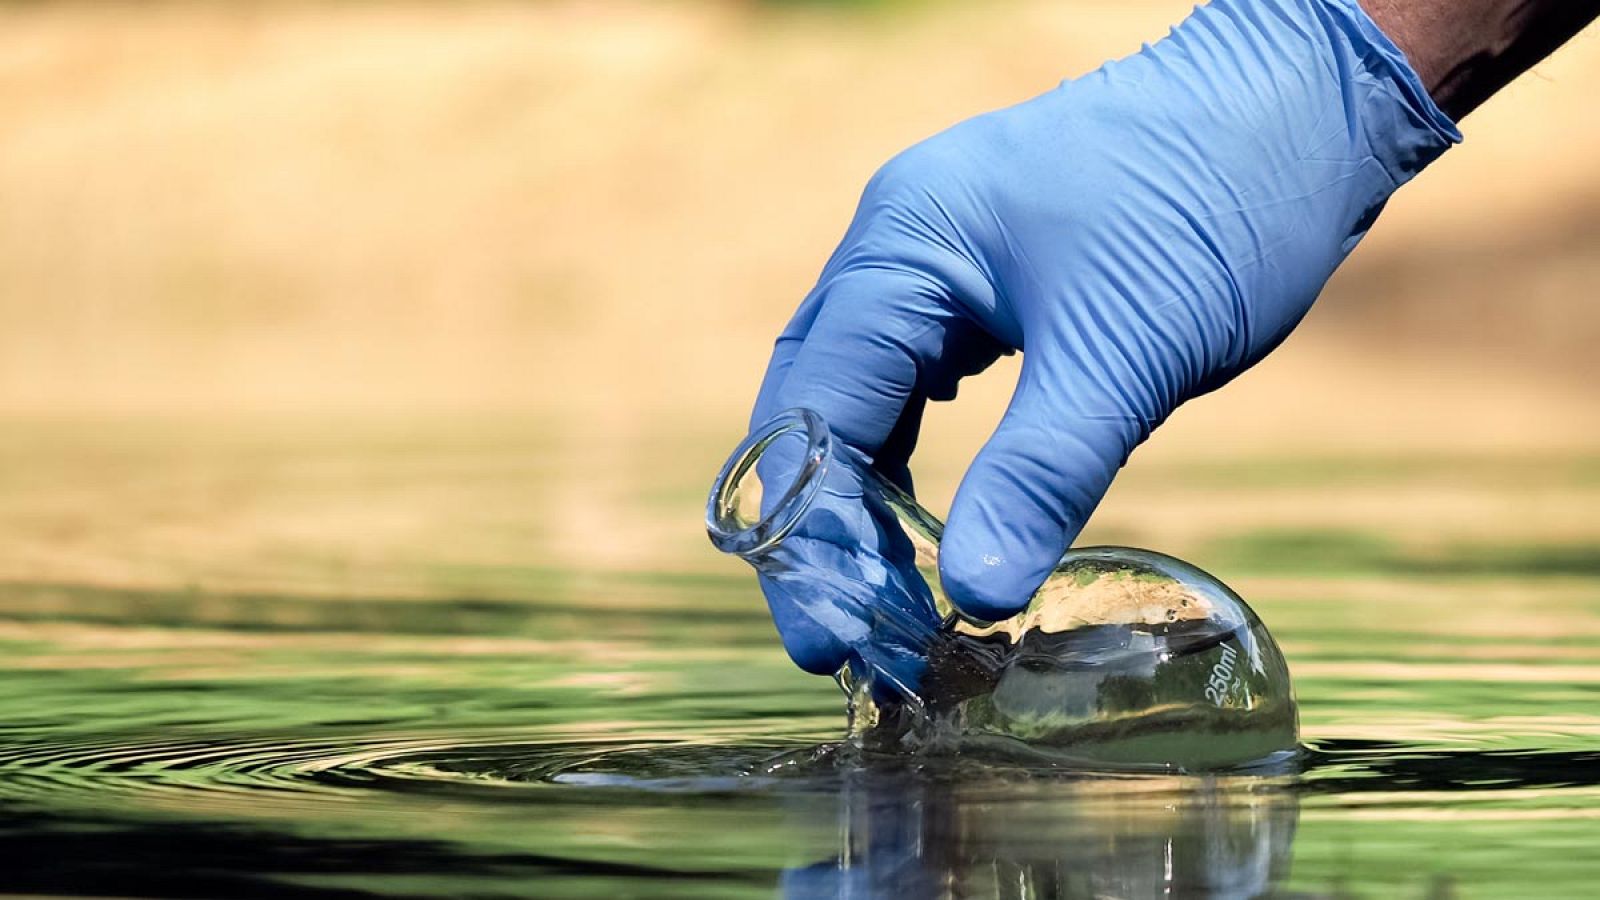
[1405, 128]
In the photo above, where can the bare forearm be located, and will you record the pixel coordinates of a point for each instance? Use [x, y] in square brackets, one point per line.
[1466, 50]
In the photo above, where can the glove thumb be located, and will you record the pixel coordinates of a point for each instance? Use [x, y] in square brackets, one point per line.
[1032, 488]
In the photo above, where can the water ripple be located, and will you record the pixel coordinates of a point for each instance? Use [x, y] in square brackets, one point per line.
[269, 772]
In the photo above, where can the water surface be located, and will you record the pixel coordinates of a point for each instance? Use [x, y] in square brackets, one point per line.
[576, 732]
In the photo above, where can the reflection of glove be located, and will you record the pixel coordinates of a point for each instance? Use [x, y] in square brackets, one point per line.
[1146, 233]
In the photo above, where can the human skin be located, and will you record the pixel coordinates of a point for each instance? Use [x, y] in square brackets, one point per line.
[1467, 50]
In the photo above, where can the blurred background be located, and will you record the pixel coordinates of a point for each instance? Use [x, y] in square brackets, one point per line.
[364, 366]
[413, 299]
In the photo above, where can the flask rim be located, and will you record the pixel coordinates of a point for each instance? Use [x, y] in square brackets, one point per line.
[731, 533]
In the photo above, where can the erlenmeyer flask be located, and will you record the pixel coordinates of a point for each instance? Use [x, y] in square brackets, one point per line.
[1123, 657]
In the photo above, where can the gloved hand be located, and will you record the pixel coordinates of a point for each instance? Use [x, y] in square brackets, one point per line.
[1143, 233]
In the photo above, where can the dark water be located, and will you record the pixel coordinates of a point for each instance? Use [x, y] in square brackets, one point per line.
[438, 697]
[269, 746]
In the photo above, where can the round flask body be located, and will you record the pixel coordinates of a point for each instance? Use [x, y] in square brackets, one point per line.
[1123, 657]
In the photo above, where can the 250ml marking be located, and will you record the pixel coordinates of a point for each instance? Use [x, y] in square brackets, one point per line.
[1221, 683]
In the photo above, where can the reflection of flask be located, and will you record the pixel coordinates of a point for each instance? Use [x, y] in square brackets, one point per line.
[1123, 657]
[966, 832]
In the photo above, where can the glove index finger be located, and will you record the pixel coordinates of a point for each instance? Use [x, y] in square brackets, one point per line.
[878, 341]
[784, 351]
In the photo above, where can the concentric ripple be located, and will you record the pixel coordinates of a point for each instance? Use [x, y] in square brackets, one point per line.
[272, 771]
[267, 773]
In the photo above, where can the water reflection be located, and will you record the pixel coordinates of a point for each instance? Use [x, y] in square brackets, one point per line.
[373, 689]
[1088, 837]
[384, 748]
[542, 815]
[1351, 767]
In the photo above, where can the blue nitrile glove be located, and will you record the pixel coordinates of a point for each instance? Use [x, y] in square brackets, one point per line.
[844, 574]
[1144, 233]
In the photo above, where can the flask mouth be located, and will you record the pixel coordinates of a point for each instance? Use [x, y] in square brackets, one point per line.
[749, 512]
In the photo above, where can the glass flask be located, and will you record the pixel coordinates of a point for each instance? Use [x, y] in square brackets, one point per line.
[1123, 658]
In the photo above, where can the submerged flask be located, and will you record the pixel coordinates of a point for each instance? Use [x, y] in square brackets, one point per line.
[1123, 657]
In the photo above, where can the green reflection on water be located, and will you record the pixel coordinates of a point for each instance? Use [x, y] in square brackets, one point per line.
[534, 729]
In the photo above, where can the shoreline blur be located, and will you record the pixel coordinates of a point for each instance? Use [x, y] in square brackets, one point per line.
[219, 207]
[290, 281]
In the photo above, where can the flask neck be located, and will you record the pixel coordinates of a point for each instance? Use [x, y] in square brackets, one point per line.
[836, 542]
[769, 483]
[792, 475]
